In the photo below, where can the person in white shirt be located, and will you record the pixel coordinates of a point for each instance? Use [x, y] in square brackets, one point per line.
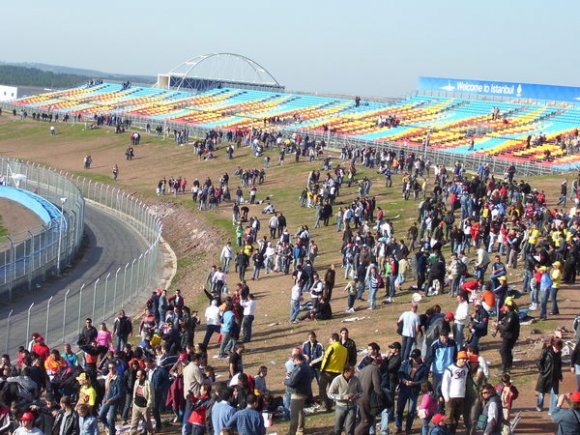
[226, 256]
[213, 319]
[410, 326]
[269, 254]
[249, 306]
[218, 280]
[295, 295]
[192, 380]
[461, 319]
[453, 389]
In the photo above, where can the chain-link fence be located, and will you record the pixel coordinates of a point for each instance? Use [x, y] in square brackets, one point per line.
[60, 317]
[30, 258]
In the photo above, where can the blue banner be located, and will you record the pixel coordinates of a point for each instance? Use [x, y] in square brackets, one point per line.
[500, 89]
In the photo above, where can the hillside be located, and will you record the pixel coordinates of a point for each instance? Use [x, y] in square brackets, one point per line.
[53, 76]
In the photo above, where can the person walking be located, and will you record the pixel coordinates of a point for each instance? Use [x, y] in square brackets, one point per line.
[550, 374]
[299, 382]
[213, 321]
[333, 362]
[412, 374]
[226, 256]
[114, 393]
[453, 390]
[509, 329]
[556, 277]
[370, 403]
[159, 379]
[143, 400]
[122, 330]
[345, 390]
[227, 330]
[409, 323]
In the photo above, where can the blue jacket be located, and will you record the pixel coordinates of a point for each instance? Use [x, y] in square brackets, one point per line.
[442, 355]
[227, 321]
[116, 390]
[420, 376]
[221, 413]
[88, 425]
[300, 380]
[247, 422]
[160, 381]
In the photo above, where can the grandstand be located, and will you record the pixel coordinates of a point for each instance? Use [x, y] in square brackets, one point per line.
[510, 128]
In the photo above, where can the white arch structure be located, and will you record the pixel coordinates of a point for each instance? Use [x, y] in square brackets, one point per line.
[227, 67]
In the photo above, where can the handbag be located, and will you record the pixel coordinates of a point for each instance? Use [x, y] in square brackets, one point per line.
[481, 422]
[422, 413]
[400, 328]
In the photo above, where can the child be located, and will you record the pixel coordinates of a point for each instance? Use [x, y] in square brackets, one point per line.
[351, 289]
[427, 406]
[508, 393]
[439, 426]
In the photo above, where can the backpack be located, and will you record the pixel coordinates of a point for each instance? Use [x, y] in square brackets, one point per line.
[380, 281]
[461, 268]
[235, 330]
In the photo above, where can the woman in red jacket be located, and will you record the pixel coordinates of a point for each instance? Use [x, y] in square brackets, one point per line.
[199, 407]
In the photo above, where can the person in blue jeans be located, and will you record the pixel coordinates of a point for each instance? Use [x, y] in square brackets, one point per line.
[410, 327]
[545, 286]
[112, 399]
[550, 376]
[412, 374]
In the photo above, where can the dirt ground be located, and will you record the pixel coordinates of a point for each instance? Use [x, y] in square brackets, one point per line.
[197, 239]
[17, 220]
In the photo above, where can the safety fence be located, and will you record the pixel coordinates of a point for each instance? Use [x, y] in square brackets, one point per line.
[27, 260]
[60, 317]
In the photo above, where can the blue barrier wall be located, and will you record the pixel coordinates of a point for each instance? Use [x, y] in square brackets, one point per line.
[45, 210]
[500, 89]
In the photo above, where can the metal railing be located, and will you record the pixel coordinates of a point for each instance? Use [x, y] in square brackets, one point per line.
[28, 261]
[60, 317]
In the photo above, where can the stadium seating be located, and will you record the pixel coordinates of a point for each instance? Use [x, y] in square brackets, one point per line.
[451, 124]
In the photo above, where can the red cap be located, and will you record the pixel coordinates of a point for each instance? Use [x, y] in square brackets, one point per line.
[449, 316]
[575, 396]
[27, 416]
[438, 418]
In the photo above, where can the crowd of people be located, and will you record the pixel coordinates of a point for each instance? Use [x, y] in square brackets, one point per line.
[435, 373]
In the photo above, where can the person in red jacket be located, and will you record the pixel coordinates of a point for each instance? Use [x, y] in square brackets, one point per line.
[199, 407]
[41, 349]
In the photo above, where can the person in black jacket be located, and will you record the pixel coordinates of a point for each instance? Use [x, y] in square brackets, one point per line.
[509, 328]
[67, 420]
[550, 376]
[88, 333]
[350, 345]
[299, 382]
[389, 369]
[159, 379]
[122, 329]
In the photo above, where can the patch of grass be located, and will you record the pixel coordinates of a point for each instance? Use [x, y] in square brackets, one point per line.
[100, 178]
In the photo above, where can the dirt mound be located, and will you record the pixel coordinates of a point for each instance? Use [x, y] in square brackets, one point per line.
[193, 241]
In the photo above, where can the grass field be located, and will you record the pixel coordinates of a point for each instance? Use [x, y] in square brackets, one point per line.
[273, 336]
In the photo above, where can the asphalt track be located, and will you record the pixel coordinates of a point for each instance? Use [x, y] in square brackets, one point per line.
[110, 244]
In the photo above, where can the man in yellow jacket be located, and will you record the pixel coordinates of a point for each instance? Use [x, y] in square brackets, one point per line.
[333, 364]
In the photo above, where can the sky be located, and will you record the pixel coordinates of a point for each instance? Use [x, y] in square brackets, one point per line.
[368, 48]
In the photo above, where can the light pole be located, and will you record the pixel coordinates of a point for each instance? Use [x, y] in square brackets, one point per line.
[62, 202]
